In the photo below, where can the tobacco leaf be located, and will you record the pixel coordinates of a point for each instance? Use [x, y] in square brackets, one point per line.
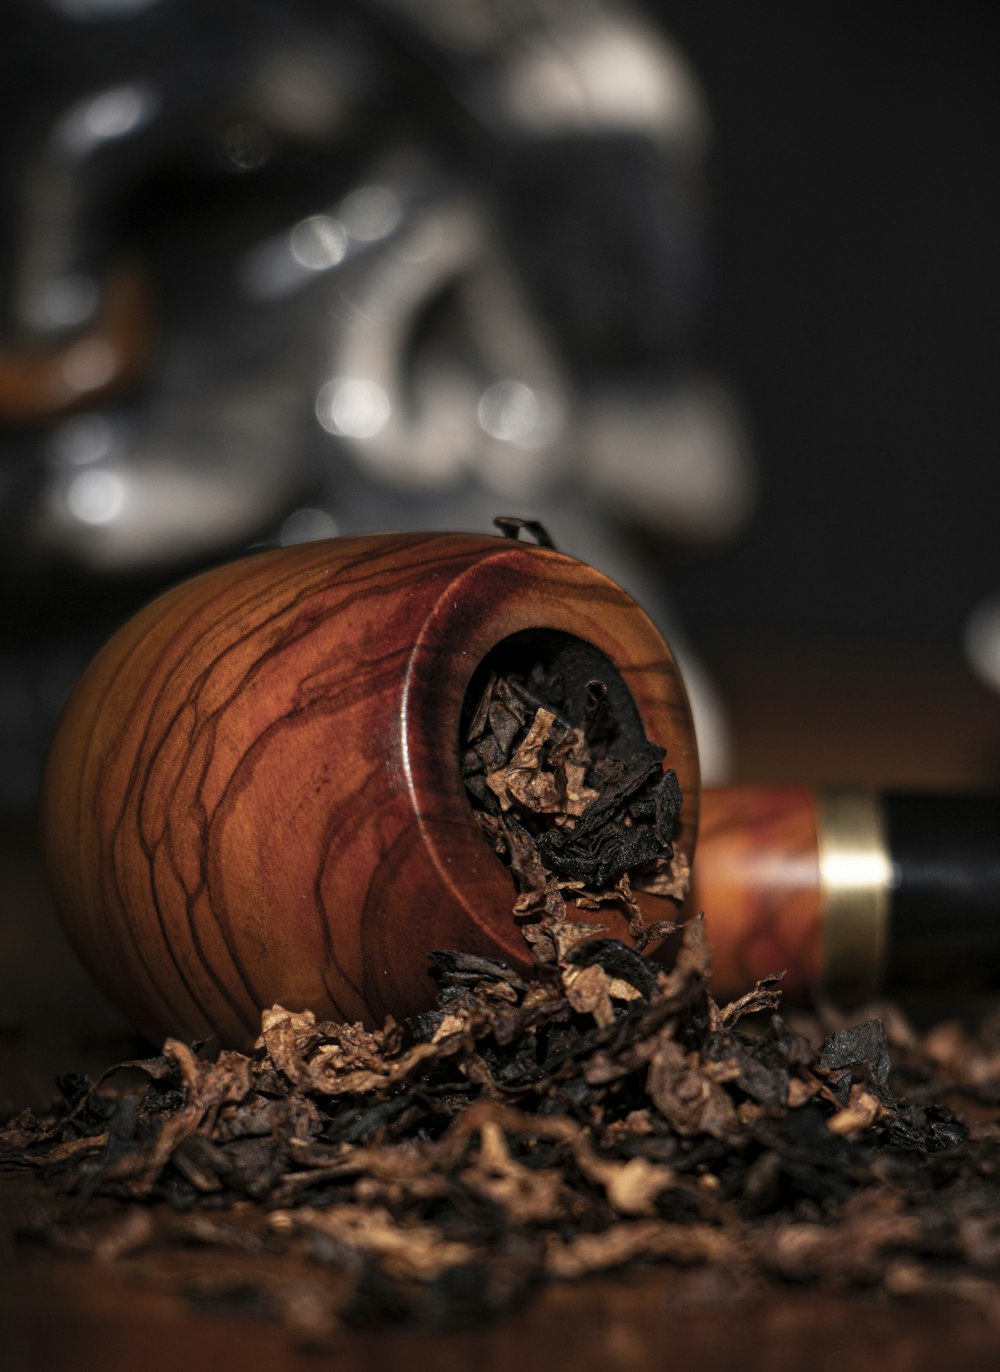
[603, 1111]
[861, 1045]
[511, 526]
[573, 812]
[528, 1129]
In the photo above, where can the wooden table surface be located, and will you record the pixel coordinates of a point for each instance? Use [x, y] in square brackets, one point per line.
[833, 714]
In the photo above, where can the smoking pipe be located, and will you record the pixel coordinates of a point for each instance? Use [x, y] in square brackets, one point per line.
[849, 892]
[254, 794]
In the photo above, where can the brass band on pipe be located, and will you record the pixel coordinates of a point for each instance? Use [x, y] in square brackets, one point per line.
[856, 881]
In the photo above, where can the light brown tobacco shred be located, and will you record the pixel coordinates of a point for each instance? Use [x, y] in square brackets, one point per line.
[531, 1130]
[601, 1113]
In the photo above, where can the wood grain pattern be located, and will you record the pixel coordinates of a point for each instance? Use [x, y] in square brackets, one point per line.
[757, 880]
[254, 794]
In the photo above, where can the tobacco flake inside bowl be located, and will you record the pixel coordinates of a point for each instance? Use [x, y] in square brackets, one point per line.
[565, 785]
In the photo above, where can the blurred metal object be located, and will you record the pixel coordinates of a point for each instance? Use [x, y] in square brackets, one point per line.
[981, 640]
[400, 264]
[41, 381]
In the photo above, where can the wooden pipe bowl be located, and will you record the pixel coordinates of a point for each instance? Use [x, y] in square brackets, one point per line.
[254, 794]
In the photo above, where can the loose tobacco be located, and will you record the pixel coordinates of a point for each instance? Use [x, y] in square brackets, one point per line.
[603, 1113]
[600, 1113]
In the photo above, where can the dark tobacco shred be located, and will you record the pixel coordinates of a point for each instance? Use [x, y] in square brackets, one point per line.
[512, 526]
[569, 814]
[601, 1113]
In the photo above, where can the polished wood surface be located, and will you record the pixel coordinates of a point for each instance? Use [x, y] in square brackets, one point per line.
[756, 879]
[254, 795]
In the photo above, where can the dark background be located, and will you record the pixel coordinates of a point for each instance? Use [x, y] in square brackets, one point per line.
[853, 200]
[855, 188]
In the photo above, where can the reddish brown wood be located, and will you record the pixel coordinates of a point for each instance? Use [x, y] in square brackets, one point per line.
[254, 794]
[757, 880]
